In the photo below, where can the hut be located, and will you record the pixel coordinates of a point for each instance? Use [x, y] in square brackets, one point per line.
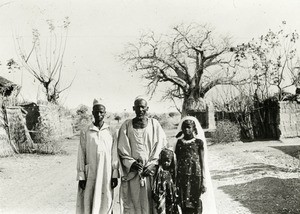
[6, 148]
[14, 135]
[8, 92]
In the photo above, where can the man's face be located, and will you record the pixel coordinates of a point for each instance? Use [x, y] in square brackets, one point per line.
[98, 113]
[140, 107]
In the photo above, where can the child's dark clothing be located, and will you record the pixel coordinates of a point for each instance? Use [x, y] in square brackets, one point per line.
[164, 193]
[189, 174]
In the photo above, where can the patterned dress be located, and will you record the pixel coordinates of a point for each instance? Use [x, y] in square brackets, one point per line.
[189, 174]
[164, 193]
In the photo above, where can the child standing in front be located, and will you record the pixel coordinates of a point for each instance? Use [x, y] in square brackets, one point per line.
[164, 189]
[189, 152]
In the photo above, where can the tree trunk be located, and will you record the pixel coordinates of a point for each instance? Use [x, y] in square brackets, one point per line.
[185, 107]
[193, 103]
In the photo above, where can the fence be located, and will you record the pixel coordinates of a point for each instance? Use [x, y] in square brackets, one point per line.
[262, 122]
[289, 119]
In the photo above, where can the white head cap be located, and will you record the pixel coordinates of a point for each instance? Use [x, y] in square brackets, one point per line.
[140, 97]
[98, 102]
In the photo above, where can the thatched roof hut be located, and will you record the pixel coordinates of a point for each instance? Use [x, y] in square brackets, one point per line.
[14, 136]
[8, 88]
[17, 130]
[6, 148]
[8, 92]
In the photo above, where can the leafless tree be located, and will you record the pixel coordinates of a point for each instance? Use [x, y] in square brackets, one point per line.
[45, 63]
[190, 59]
[272, 61]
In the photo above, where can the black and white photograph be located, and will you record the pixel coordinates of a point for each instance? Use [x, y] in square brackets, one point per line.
[149, 107]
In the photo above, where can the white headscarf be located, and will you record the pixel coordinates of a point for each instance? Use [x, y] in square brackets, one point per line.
[208, 199]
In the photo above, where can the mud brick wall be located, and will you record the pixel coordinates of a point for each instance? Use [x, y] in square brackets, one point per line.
[289, 114]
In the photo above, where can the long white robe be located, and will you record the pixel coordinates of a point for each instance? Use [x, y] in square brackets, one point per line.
[96, 160]
[143, 144]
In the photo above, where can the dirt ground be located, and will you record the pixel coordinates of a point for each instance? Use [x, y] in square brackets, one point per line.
[257, 177]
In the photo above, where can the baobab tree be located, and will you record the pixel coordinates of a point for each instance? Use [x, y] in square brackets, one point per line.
[191, 59]
[45, 63]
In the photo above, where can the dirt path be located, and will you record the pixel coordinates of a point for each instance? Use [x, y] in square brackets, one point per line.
[39, 183]
[259, 177]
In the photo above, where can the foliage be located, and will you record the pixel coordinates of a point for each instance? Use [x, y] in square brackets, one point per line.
[45, 63]
[165, 121]
[45, 138]
[83, 109]
[226, 132]
[272, 62]
[12, 65]
[172, 114]
[53, 125]
[126, 115]
[192, 59]
[82, 118]
[117, 118]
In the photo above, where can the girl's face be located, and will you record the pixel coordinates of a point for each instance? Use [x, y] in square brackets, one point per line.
[166, 162]
[188, 128]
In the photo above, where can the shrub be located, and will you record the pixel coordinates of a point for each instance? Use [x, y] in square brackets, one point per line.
[82, 118]
[47, 142]
[226, 132]
[52, 148]
[172, 114]
[117, 118]
[165, 121]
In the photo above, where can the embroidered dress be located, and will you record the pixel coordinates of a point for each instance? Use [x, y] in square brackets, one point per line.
[207, 198]
[189, 174]
[164, 193]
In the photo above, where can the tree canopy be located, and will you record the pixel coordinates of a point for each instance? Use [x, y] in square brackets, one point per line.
[191, 59]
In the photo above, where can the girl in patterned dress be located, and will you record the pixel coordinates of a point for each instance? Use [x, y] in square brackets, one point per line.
[193, 176]
[190, 177]
[164, 188]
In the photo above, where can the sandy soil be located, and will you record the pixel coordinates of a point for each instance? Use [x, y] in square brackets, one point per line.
[258, 177]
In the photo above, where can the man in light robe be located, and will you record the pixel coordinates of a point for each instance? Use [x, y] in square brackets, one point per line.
[97, 166]
[140, 141]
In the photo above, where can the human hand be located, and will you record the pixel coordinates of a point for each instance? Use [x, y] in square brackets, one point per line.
[149, 170]
[114, 182]
[136, 167]
[82, 184]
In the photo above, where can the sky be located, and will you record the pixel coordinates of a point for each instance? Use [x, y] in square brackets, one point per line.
[100, 30]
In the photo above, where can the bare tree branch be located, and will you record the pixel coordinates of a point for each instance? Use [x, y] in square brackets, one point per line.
[181, 58]
[49, 66]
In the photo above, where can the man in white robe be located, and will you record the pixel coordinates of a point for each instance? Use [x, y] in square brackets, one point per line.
[140, 141]
[97, 166]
